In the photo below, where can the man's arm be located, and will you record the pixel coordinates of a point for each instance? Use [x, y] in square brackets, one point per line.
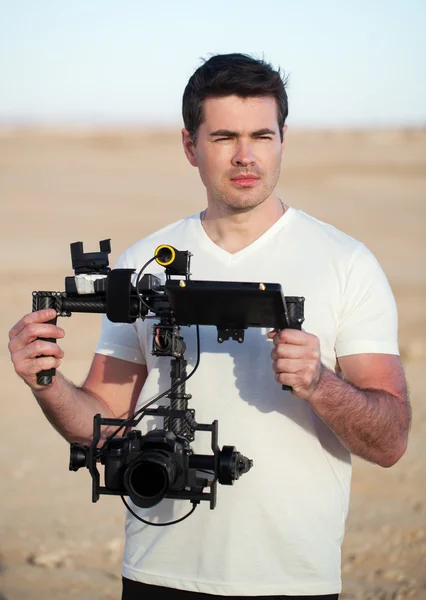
[111, 388]
[368, 411]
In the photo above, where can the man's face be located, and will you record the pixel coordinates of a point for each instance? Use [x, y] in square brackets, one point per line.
[238, 150]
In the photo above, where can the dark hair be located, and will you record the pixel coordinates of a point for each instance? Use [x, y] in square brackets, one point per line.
[232, 74]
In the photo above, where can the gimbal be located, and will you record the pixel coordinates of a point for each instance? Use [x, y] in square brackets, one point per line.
[161, 463]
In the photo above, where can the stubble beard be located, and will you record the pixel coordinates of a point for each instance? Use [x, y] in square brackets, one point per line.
[240, 201]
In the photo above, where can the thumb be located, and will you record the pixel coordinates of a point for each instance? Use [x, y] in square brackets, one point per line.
[273, 333]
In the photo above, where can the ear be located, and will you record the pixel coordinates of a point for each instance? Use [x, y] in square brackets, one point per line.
[188, 147]
[283, 142]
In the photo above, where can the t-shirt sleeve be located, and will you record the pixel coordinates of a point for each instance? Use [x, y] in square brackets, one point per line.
[369, 321]
[120, 340]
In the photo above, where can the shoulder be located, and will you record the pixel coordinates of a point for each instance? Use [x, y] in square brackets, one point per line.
[319, 233]
[144, 249]
[325, 244]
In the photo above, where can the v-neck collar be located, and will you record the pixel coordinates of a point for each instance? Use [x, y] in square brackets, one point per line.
[230, 258]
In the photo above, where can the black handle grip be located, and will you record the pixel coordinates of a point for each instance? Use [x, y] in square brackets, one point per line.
[40, 303]
[288, 388]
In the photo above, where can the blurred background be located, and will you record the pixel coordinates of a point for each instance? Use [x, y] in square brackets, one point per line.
[90, 99]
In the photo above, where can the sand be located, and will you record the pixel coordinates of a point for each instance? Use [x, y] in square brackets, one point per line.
[62, 186]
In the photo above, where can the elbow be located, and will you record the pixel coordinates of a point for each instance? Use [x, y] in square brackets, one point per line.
[389, 459]
[73, 438]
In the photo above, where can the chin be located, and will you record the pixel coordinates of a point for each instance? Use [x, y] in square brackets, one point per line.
[243, 204]
[244, 200]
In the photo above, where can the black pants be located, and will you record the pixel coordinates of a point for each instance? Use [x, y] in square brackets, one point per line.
[133, 590]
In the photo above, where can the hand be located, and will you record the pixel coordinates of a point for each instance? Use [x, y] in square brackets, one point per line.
[31, 355]
[297, 360]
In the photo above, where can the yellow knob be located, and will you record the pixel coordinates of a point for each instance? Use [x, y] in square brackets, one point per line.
[165, 255]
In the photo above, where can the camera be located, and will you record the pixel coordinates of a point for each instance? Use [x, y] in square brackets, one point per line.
[158, 465]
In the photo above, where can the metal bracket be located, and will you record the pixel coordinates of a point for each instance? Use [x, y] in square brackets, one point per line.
[225, 334]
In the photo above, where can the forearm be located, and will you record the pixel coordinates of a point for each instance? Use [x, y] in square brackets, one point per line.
[372, 424]
[71, 409]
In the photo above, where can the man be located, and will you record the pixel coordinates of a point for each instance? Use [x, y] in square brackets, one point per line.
[278, 532]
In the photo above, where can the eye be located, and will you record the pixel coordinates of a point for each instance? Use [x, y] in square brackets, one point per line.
[223, 139]
[264, 137]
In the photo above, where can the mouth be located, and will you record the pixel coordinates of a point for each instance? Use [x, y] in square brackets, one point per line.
[244, 181]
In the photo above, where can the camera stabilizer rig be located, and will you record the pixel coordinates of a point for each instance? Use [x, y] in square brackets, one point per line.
[161, 463]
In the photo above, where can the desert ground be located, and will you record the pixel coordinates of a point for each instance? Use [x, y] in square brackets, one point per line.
[59, 186]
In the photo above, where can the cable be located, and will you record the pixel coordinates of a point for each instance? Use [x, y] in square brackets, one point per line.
[148, 404]
[194, 506]
[139, 279]
[175, 385]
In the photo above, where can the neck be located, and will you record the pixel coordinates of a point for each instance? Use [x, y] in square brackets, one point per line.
[234, 231]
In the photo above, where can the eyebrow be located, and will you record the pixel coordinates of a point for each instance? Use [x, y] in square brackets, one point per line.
[235, 134]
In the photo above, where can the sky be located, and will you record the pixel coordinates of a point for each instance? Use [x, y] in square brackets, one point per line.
[127, 61]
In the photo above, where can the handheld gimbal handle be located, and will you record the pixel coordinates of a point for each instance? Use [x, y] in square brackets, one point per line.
[40, 303]
[288, 388]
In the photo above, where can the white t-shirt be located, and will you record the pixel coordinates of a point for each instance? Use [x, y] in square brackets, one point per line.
[279, 528]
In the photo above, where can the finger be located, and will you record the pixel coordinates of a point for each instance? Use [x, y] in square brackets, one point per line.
[22, 358]
[296, 337]
[33, 331]
[307, 354]
[41, 348]
[288, 351]
[284, 365]
[290, 379]
[28, 368]
[278, 336]
[39, 316]
[44, 363]
[273, 333]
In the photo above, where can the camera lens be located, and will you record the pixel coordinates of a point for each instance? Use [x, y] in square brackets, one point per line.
[78, 455]
[148, 478]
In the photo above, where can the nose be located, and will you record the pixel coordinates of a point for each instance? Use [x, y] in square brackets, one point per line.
[243, 156]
